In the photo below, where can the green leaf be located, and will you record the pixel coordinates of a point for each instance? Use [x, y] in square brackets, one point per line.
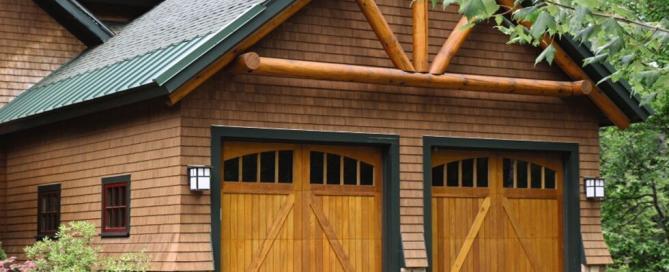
[649, 77]
[544, 22]
[584, 34]
[499, 19]
[595, 59]
[627, 59]
[548, 54]
[480, 9]
[446, 3]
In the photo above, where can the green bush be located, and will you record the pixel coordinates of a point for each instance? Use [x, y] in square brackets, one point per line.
[72, 251]
[2, 254]
[127, 262]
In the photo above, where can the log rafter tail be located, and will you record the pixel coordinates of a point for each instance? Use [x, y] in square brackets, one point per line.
[420, 35]
[575, 72]
[253, 63]
[451, 46]
[385, 35]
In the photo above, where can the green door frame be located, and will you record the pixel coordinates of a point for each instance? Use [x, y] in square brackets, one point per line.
[573, 245]
[393, 258]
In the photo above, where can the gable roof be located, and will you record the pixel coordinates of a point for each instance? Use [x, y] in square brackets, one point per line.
[167, 46]
[77, 20]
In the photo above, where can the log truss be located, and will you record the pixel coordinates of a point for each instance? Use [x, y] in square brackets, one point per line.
[418, 73]
[406, 73]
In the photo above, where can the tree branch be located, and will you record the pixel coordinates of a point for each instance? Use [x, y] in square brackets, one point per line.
[616, 17]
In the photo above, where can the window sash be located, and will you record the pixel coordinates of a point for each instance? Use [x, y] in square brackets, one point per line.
[48, 210]
[115, 207]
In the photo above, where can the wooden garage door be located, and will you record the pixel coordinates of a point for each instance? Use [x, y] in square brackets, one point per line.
[288, 207]
[496, 211]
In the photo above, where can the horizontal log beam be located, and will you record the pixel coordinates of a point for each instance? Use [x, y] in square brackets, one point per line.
[451, 46]
[575, 72]
[252, 63]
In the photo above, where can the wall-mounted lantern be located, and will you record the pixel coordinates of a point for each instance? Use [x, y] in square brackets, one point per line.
[594, 188]
[199, 177]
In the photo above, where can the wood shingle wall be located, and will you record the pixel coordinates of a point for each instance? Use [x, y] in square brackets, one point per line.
[32, 45]
[142, 141]
[336, 31]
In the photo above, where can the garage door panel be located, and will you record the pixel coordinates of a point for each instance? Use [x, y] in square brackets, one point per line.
[325, 217]
[520, 231]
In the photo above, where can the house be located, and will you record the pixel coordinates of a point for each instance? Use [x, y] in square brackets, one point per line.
[336, 135]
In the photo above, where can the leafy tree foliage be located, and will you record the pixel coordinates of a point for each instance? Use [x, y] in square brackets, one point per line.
[635, 215]
[631, 35]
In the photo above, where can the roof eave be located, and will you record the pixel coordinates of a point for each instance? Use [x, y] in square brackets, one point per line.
[77, 20]
[619, 92]
[130, 96]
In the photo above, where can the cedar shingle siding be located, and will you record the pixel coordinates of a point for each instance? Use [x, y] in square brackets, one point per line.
[32, 45]
[154, 143]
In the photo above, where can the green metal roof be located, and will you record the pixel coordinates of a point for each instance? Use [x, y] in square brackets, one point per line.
[150, 74]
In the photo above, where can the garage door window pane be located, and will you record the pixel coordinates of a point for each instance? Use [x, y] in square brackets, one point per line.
[550, 179]
[267, 166]
[482, 172]
[366, 174]
[231, 170]
[285, 166]
[468, 173]
[350, 171]
[316, 167]
[521, 174]
[536, 176]
[333, 169]
[250, 168]
[453, 174]
[438, 175]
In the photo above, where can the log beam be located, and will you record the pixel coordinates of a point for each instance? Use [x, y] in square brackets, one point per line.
[252, 63]
[575, 72]
[420, 35]
[451, 46]
[385, 35]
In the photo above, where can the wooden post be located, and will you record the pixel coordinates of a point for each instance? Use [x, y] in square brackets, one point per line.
[385, 35]
[420, 35]
[450, 47]
[575, 72]
[252, 63]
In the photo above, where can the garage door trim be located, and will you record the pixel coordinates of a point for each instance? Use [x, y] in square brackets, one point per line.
[573, 245]
[392, 258]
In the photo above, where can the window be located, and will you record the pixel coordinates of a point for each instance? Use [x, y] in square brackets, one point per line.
[333, 169]
[48, 210]
[521, 174]
[116, 206]
[264, 167]
[467, 173]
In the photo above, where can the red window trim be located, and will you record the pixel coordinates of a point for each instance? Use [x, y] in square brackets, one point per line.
[109, 183]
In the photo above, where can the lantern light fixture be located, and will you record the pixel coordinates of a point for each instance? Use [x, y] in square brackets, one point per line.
[199, 177]
[594, 188]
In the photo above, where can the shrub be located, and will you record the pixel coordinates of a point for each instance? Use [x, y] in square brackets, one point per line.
[126, 262]
[2, 254]
[72, 251]
[11, 265]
